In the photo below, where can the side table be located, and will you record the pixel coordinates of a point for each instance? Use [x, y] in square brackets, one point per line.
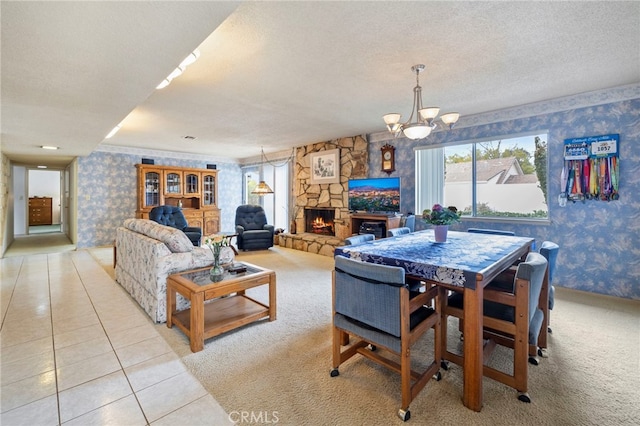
[205, 320]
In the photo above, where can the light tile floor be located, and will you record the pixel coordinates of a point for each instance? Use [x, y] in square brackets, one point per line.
[76, 350]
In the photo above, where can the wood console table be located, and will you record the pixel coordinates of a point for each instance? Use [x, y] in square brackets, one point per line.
[206, 320]
[357, 219]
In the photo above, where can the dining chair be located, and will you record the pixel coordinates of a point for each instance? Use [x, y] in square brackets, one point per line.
[358, 239]
[372, 304]
[550, 251]
[408, 221]
[490, 231]
[504, 280]
[511, 318]
[398, 231]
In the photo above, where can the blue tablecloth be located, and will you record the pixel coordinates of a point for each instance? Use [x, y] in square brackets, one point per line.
[455, 262]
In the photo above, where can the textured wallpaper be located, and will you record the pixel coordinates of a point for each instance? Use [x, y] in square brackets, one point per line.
[107, 193]
[599, 241]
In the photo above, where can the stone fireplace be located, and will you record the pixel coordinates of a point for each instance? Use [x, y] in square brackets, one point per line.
[321, 237]
[319, 221]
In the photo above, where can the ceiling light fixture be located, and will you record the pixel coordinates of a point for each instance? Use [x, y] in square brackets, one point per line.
[113, 131]
[425, 117]
[48, 147]
[262, 188]
[193, 56]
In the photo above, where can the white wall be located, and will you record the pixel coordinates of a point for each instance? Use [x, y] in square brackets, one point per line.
[20, 203]
[517, 198]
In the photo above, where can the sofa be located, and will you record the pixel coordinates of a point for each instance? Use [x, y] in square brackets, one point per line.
[147, 253]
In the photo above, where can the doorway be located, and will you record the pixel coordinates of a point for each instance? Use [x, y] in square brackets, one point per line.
[44, 204]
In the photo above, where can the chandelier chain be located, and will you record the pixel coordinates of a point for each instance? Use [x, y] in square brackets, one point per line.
[284, 163]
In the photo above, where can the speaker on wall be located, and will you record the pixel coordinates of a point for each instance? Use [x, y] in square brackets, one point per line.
[148, 161]
[211, 166]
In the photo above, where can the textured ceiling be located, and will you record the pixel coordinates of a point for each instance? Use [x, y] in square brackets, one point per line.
[283, 74]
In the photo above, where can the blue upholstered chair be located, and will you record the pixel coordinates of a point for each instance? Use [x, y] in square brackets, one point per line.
[358, 239]
[172, 216]
[251, 226]
[506, 311]
[408, 221]
[490, 231]
[398, 231]
[371, 303]
[550, 251]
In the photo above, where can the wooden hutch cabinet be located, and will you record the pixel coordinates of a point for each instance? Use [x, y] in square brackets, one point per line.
[196, 190]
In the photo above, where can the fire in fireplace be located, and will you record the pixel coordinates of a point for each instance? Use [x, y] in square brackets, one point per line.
[319, 221]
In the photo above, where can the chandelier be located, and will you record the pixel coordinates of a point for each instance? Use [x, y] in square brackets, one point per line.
[262, 188]
[425, 117]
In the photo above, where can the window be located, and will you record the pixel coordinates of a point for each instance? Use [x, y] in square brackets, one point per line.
[275, 205]
[497, 178]
[251, 179]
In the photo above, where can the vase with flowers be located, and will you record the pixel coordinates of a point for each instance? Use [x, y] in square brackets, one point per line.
[441, 217]
[216, 243]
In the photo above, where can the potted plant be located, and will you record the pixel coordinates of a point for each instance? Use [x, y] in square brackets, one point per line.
[441, 218]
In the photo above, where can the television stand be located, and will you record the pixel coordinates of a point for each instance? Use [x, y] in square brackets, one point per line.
[384, 221]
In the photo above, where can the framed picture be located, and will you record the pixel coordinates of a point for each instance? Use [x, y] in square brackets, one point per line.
[325, 166]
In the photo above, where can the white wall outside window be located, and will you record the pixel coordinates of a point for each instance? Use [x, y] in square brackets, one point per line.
[471, 186]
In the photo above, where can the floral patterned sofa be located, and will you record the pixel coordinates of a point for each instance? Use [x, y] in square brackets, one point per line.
[147, 254]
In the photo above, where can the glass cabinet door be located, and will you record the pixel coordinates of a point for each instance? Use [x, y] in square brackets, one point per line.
[151, 189]
[209, 189]
[172, 181]
[191, 183]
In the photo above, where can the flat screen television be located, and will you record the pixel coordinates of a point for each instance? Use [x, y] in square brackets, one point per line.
[375, 195]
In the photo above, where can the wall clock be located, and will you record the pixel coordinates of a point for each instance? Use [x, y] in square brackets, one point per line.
[388, 159]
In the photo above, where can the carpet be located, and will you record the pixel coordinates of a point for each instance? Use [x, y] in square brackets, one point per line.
[278, 372]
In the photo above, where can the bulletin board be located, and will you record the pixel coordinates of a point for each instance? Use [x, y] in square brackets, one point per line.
[591, 169]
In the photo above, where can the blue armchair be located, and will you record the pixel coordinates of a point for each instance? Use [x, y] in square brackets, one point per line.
[172, 216]
[251, 226]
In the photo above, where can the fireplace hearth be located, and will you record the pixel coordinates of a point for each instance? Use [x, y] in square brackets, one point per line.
[320, 221]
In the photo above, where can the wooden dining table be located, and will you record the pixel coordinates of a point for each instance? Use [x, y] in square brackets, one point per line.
[466, 261]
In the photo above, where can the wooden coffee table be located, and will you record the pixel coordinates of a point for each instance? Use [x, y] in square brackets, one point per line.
[231, 309]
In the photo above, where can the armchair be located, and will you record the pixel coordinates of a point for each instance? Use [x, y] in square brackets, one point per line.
[251, 226]
[372, 303]
[172, 216]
